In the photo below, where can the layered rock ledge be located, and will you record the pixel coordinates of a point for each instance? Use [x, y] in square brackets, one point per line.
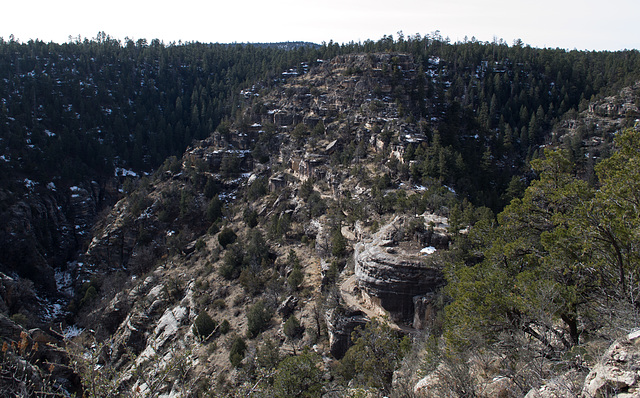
[393, 274]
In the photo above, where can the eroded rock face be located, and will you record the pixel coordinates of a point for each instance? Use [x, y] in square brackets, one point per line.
[392, 274]
[340, 324]
[617, 374]
[113, 247]
[41, 230]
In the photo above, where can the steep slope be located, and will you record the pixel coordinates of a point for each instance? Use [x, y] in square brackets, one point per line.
[155, 267]
[290, 226]
[335, 179]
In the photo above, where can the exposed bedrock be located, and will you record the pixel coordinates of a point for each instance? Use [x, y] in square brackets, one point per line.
[393, 274]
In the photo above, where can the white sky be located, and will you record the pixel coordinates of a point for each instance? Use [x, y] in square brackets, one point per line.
[584, 25]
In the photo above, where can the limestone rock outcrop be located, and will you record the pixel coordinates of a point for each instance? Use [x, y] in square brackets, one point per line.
[391, 273]
[617, 373]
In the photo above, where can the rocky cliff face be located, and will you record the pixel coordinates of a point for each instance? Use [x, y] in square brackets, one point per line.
[41, 229]
[393, 273]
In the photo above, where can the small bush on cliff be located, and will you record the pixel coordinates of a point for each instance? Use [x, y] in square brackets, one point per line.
[374, 356]
[203, 326]
[338, 243]
[296, 277]
[258, 319]
[232, 263]
[299, 376]
[226, 237]
[292, 328]
[236, 354]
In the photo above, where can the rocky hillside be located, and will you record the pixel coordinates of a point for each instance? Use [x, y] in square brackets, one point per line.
[305, 218]
[261, 240]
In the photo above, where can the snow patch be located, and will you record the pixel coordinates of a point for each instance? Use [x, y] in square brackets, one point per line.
[64, 281]
[72, 331]
[428, 250]
[29, 183]
[125, 172]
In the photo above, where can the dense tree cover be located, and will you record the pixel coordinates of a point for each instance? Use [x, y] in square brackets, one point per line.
[80, 109]
[376, 353]
[87, 106]
[559, 262]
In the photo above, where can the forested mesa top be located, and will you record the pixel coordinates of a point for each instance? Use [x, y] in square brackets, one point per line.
[85, 107]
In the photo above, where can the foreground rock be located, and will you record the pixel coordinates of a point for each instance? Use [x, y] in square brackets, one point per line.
[617, 374]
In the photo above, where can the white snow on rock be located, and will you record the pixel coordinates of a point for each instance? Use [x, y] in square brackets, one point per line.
[125, 172]
[72, 331]
[428, 250]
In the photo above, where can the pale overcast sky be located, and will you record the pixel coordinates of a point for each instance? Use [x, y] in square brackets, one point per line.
[584, 25]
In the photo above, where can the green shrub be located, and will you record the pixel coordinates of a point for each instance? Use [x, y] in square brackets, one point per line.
[203, 326]
[295, 278]
[376, 353]
[232, 263]
[251, 281]
[236, 354]
[213, 229]
[200, 244]
[250, 217]
[219, 304]
[211, 188]
[226, 237]
[258, 319]
[268, 354]
[338, 243]
[292, 328]
[214, 209]
[306, 188]
[257, 189]
[90, 293]
[299, 376]
[225, 327]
